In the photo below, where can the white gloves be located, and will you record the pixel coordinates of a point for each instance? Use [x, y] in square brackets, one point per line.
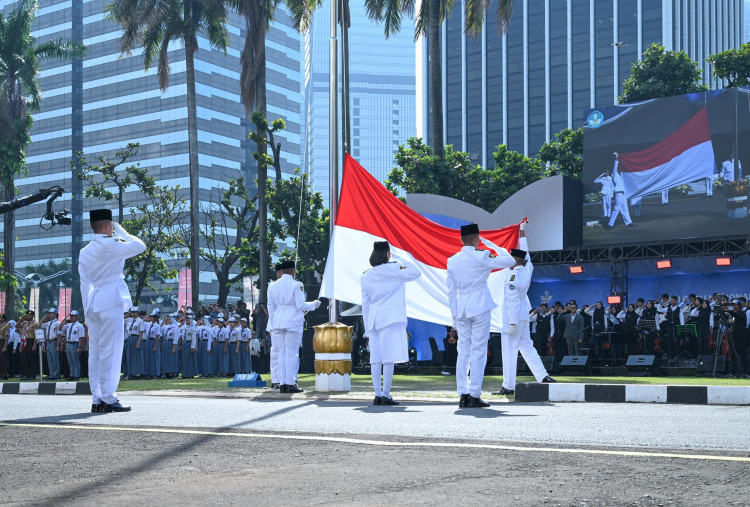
[490, 244]
[523, 225]
[317, 303]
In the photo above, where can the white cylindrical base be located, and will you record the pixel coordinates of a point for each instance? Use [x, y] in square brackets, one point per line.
[335, 382]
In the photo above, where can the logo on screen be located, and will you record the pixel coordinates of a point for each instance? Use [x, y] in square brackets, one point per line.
[595, 119]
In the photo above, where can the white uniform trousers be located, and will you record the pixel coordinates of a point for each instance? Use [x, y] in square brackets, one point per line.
[621, 206]
[287, 341]
[274, 359]
[473, 335]
[607, 204]
[105, 353]
[519, 340]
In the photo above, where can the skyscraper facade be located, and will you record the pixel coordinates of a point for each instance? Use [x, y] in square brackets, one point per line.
[382, 89]
[558, 58]
[104, 101]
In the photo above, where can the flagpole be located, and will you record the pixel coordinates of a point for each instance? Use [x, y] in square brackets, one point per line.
[333, 155]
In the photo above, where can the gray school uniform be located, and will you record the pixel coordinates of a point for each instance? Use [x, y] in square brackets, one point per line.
[205, 360]
[188, 359]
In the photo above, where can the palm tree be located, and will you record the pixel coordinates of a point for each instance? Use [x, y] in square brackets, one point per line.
[20, 95]
[431, 14]
[154, 24]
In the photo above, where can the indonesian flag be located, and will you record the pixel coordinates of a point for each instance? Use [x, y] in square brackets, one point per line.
[368, 212]
[686, 155]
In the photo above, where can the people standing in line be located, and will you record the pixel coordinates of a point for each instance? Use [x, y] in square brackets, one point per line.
[560, 345]
[105, 296]
[188, 344]
[222, 348]
[515, 308]
[450, 345]
[384, 315]
[29, 362]
[14, 356]
[286, 311]
[704, 325]
[75, 337]
[204, 337]
[574, 329]
[233, 346]
[153, 336]
[621, 203]
[255, 351]
[244, 347]
[545, 329]
[471, 307]
[4, 349]
[737, 338]
[128, 346]
[50, 325]
[672, 317]
[170, 348]
[605, 180]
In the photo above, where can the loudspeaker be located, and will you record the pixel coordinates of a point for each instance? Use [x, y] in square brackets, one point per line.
[577, 363]
[640, 364]
[706, 364]
[550, 364]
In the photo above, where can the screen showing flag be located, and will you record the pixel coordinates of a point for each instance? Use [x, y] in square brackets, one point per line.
[668, 168]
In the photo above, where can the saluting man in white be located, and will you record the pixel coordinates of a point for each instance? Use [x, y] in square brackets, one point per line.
[105, 297]
[515, 319]
[471, 308]
[384, 313]
[286, 318]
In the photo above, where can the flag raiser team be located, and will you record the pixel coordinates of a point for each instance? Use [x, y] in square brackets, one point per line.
[105, 297]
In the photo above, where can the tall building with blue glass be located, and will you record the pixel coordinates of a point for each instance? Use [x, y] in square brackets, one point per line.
[382, 88]
[105, 100]
[558, 58]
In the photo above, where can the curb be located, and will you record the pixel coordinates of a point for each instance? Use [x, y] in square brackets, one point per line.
[45, 388]
[628, 393]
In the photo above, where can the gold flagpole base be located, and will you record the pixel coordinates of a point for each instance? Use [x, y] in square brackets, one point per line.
[332, 345]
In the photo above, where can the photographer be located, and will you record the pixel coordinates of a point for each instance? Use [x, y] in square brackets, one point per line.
[737, 336]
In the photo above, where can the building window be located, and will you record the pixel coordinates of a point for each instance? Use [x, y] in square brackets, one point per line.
[356, 102]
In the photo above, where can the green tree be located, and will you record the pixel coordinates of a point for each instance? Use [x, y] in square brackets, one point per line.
[661, 73]
[100, 178]
[732, 65]
[20, 95]
[564, 154]
[157, 222]
[153, 24]
[49, 291]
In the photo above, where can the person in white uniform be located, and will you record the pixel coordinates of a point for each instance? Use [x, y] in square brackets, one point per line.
[727, 169]
[384, 314]
[605, 180]
[621, 203]
[273, 357]
[105, 296]
[515, 306]
[51, 327]
[471, 306]
[286, 317]
[74, 335]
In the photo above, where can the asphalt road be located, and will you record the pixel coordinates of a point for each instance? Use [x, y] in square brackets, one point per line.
[194, 451]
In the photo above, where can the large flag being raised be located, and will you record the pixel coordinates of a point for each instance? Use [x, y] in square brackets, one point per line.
[684, 156]
[368, 212]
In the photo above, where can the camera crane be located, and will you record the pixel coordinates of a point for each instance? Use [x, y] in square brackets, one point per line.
[52, 193]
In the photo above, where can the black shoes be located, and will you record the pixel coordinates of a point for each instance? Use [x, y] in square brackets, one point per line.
[290, 389]
[387, 400]
[504, 391]
[114, 407]
[96, 408]
[548, 380]
[463, 402]
[377, 400]
[477, 403]
[276, 386]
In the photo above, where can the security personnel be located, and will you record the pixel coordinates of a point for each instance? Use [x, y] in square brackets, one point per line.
[4, 350]
[204, 336]
[233, 347]
[286, 318]
[171, 340]
[515, 308]
[51, 327]
[471, 307]
[384, 315]
[188, 359]
[105, 296]
[75, 335]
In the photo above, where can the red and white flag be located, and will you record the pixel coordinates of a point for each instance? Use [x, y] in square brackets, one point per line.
[684, 156]
[369, 212]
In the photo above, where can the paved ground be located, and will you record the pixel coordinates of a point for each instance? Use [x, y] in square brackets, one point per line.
[173, 450]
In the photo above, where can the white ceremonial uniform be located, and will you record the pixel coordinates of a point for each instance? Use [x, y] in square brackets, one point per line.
[273, 354]
[384, 310]
[105, 297]
[471, 306]
[72, 333]
[607, 190]
[286, 318]
[515, 323]
[621, 203]
[727, 170]
[51, 330]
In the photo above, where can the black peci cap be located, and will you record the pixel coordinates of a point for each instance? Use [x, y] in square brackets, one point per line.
[518, 253]
[287, 265]
[381, 246]
[468, 230]
[100, 214]
[278, 267]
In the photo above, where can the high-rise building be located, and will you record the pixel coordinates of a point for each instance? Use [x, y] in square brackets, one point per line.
[558, 58]
[382, 89]
[105, 100]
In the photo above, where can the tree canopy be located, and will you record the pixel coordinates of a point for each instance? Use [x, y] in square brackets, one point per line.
[733, 65]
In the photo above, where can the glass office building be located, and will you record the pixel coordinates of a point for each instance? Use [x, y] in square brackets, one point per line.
[558, 58]
[104, 101]
[382, 88]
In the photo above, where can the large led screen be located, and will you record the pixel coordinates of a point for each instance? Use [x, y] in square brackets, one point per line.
[665, 169]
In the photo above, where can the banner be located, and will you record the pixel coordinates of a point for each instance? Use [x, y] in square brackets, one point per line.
[185, 290]
[250, 293]
[64, 302]
[368, 212]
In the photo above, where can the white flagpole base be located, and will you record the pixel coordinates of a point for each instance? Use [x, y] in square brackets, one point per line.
[334, 382]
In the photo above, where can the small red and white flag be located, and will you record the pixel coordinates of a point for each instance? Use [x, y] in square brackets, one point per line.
[369, 212]
[684, 156]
